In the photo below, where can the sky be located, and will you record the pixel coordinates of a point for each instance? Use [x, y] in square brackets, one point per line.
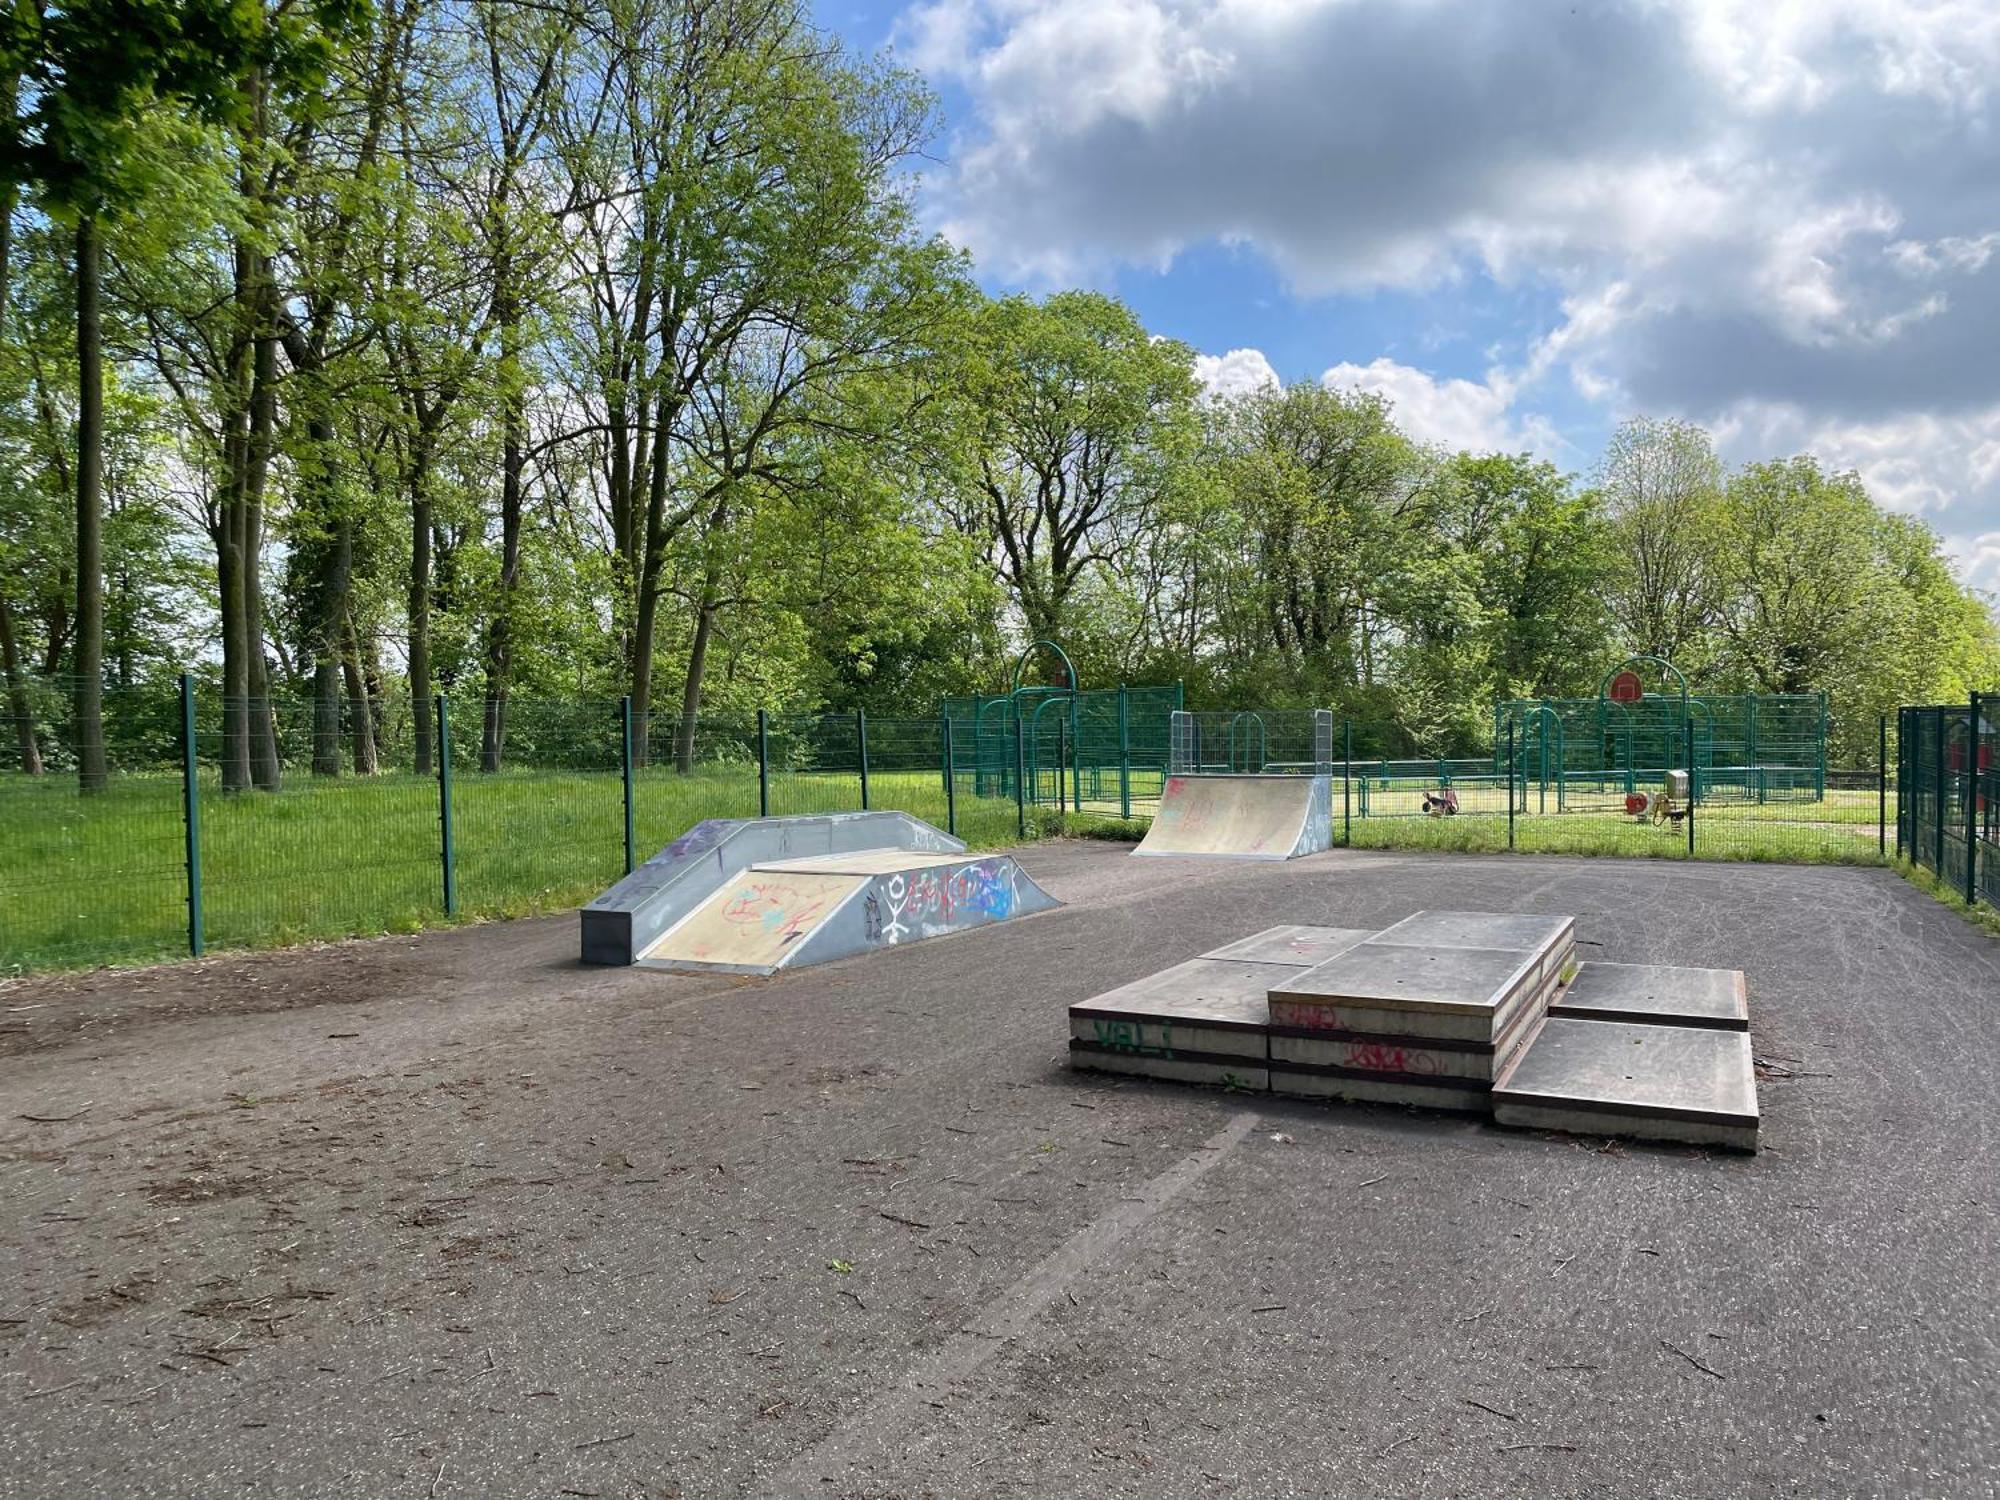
[1521, 222]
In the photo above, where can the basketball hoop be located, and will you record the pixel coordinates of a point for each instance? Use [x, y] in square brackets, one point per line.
[1627, 688]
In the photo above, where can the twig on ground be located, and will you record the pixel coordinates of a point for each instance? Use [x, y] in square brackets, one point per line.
[1505, 1415]
[56, 1119]
[1676, 1349]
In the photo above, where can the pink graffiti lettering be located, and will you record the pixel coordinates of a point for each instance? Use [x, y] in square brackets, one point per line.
[1306, 1013]
[1379, 1057]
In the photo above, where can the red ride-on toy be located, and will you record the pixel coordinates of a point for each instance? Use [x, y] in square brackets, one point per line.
[1665, 807]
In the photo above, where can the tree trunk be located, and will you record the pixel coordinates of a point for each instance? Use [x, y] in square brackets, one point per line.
[651, 559]
[421, 690]
[500, 635]
[704, 627]
[326, 715]
[361, 718]
[266, 768]
[91, 774]
[228, 538]
[19, 707]
[642, 668]
[259, 287]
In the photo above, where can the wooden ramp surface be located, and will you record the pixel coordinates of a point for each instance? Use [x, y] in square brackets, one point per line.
[757, 918]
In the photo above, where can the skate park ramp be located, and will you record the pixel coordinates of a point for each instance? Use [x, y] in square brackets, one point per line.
[1242, 817]
[756, 895]
[1477, 1013]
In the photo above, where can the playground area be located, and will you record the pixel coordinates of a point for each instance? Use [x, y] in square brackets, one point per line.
[454, 1215]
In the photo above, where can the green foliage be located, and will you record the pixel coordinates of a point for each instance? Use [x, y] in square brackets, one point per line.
[613, 360]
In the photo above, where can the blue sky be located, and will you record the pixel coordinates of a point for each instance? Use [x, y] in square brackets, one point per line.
[1522, 222]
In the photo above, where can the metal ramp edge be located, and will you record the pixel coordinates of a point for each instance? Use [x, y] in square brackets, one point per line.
[625, 920]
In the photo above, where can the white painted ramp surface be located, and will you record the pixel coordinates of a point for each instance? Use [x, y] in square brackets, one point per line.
[756, 919]
[1240, 817]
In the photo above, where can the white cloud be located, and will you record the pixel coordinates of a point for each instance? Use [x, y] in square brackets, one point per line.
[1745, 207]
[1450, 413]
[1236, 373]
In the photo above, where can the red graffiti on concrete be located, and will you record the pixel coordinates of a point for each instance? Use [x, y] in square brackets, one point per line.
[1382, 1057]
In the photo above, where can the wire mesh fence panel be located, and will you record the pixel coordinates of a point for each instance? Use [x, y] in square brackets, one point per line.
[683, 774]
[906, 770]
[538, 802]
[1256, 742]
[815, 764]
[1389, 796]
[96, 877]
[1100, 752]
[1946, 803]
[335, 832]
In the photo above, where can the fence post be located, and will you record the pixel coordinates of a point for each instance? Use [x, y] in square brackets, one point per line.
[1062, 766]
[1906, 783]
[1020, 786]
[1347, 783]
[1124, 754]
[1881, 791]
[763, 764]
[191, 816]
[1937, 798]
[1972, 803]
[625, 765]
[444, 807]
[1694, 795]
[950, 786]
[861, 739]
[1819, 760]
[1510, 781]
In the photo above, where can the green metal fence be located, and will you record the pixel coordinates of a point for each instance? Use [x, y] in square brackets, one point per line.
[256, 823]
[1948, 807]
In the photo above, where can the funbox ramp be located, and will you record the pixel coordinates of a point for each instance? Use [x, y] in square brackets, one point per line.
[755, 895]
[1242, 817]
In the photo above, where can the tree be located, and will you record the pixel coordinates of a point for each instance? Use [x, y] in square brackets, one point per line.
[1660, 483]
[1078, 423]
[1336, 505]
[103, 82]
[738, 233]
[1542, 564]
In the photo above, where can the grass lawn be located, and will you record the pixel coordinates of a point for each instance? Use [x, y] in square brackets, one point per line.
[103, 880]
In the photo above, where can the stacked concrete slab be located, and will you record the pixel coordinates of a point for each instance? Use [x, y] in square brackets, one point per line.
[1429, 1011]
[1466, 1011]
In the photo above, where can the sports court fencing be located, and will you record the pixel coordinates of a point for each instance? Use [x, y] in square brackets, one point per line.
[1096, 751]
[234, 824]
[1753, 747]
[254, 823]
[1948, 806]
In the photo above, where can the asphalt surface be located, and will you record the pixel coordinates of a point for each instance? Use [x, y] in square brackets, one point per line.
[455, 1216]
